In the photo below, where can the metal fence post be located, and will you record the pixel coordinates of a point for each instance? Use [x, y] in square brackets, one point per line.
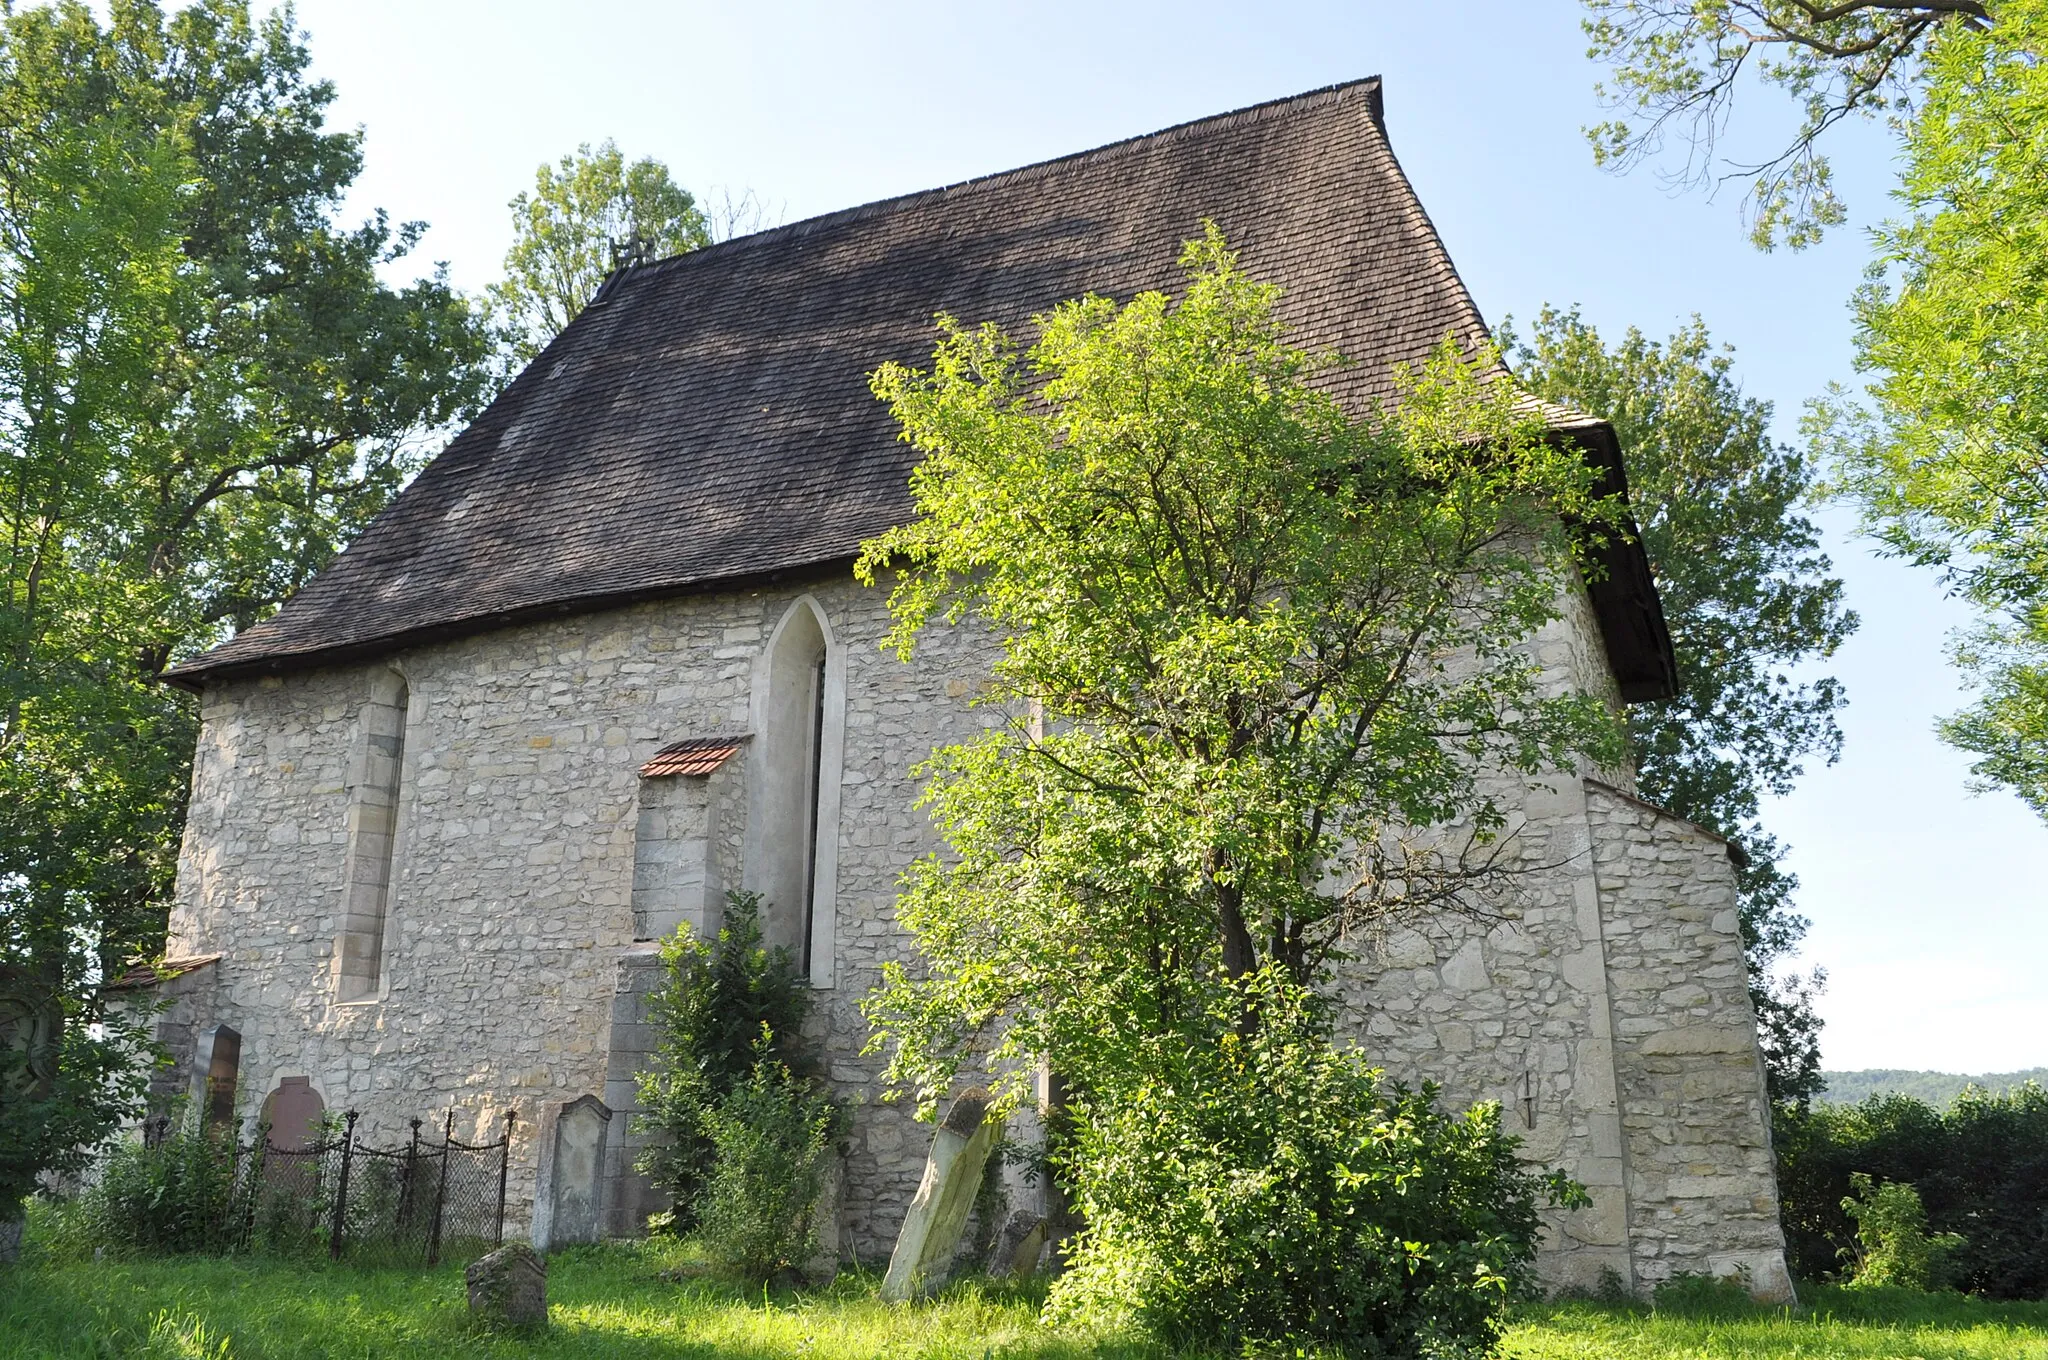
[348, 1143]
[252, 1190]
[405, 1191]
[504, 1166]
[440, 1192]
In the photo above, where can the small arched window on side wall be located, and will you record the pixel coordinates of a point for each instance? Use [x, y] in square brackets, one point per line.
[373, 804]
[799, 705]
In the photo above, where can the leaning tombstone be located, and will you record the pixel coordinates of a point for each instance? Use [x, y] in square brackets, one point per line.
[509, 1288]
[1018, 1244]
[938, 1214]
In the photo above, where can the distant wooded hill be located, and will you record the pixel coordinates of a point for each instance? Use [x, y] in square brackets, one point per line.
[1936, 1088]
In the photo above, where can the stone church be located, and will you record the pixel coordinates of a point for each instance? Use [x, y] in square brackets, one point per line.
[605, 660]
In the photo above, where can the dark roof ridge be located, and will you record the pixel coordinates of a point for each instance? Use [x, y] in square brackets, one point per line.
[1022, 174]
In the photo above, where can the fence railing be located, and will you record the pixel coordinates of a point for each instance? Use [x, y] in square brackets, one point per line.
[412, 1205]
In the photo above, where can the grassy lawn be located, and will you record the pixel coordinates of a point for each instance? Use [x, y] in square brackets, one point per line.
[612, 1302]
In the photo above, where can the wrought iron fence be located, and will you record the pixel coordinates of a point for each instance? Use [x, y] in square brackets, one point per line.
[418, 1204]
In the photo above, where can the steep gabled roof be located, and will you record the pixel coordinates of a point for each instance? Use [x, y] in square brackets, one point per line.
[706, 421]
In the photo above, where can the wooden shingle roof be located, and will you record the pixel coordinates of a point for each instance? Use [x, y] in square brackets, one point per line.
[706, 421]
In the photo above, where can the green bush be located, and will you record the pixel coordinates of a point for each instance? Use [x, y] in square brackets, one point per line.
[770, 1137]
[182, 1195]
[708, 1015]
[1273, 1189]
[1893, 1247]
[1980, 1168]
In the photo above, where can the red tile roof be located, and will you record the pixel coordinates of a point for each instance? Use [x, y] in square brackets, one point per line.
[696, 756]
[150, 974]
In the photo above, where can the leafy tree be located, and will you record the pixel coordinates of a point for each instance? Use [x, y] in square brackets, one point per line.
[205, 389]
[565, 230]
[1263, 663]
[1750, 599]
[1947, 458]
[1677, 65]
[718, 999]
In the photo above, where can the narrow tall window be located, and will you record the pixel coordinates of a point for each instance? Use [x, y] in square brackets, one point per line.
[792, 825]
[373, 799]
[811, 788]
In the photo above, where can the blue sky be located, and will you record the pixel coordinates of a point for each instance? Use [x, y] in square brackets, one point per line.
[1926, 901]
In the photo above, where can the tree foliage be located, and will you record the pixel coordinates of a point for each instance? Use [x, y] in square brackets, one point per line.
[205, 389]
[1751, 601]
[565, 230]
[1946, 458]
[1979, 1166]
[1677, 65]
[1256, 655]
[1949, 458]
[1263, 686]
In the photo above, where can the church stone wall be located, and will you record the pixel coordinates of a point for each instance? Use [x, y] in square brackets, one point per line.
[514, 972]
[511, 918]
[1511, 1005]
[1703, 1189]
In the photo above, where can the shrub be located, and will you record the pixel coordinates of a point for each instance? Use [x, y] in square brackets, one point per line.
[1980, 1168]
[182, 1195]
[1893, 1246]
[1273, 1189]
[770, 1136]
[709, 1014]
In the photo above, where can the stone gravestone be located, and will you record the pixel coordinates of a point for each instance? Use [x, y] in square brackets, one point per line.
[938, 1215]
[293, 1113]
[1018, 1244]
[569, 1205]
[509, 1288]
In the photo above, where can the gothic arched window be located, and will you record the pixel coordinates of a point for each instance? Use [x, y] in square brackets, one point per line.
[792, 834]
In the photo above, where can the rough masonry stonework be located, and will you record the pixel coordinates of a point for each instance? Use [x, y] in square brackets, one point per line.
[1604, 1006]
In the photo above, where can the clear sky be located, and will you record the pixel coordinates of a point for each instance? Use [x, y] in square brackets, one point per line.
[1926, 902]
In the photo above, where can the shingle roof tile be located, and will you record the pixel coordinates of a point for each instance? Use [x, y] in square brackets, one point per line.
[706, 420]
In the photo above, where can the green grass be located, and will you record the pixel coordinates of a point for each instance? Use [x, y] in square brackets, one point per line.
[1836, 1324]
[613, 1304]
[607, 1302]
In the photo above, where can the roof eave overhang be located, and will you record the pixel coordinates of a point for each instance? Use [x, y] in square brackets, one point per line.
[1620, 585]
